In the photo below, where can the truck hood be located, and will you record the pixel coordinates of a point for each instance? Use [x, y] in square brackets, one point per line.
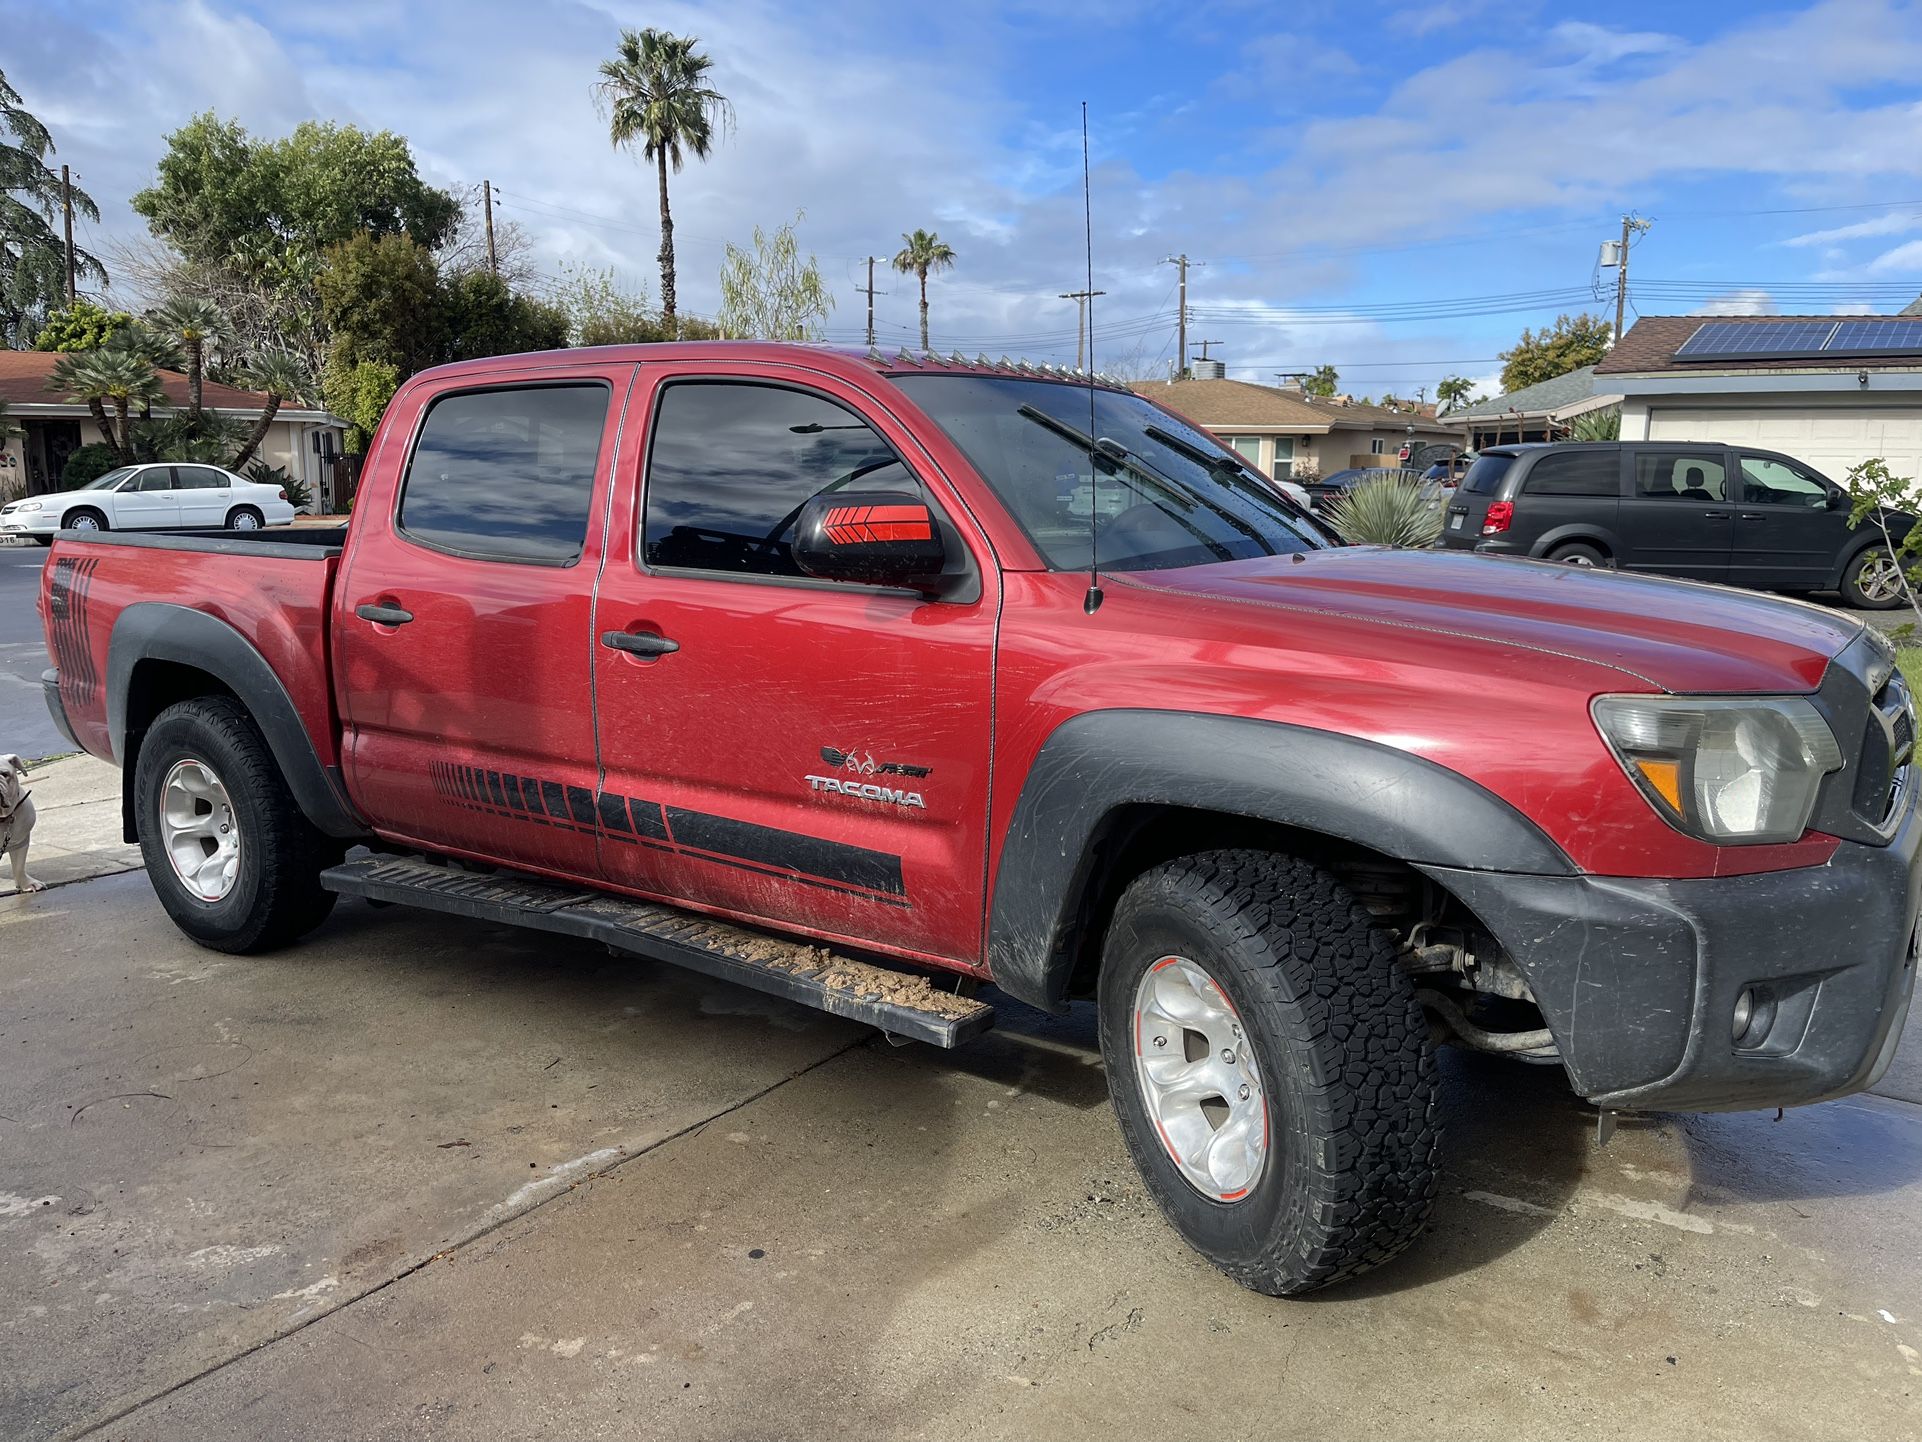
[1682, 636]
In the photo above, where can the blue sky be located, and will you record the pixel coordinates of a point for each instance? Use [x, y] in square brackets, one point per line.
[1356, 180]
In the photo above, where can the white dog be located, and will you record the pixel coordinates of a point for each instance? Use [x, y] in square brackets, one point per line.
[16, 820]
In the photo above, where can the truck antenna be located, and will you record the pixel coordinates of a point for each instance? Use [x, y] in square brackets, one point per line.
[1091, 602]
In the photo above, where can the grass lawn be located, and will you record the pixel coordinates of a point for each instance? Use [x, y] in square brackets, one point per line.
[1909, 658]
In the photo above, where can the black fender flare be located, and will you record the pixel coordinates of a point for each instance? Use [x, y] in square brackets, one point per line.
[161, 631]
[1096, 764]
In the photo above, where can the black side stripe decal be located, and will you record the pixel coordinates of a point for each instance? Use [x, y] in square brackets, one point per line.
[765, 850]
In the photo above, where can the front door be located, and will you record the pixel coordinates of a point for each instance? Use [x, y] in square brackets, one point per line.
[147, 501]
[462, 647]
[1678, 516]
[810, 753]
[1789, 529]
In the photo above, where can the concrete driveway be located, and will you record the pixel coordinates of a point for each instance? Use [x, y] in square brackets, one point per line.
[423, 1178]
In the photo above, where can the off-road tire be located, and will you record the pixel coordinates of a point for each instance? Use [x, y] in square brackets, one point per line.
[1343, 1050]
[276, 896]
[1852, 582]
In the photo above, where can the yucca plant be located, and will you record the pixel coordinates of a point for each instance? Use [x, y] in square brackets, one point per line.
[1387, 511]
[1599, 425]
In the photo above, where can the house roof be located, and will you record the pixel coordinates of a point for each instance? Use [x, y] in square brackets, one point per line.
[1652, 341]
[23, 383]
[1226, 405]
[1558, 393]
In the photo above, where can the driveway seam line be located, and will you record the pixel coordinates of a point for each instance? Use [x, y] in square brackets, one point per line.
[459, 1244]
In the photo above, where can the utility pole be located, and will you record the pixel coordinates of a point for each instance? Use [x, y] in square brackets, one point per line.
[1082, 300]
[66, 204]
[1181, 336]
[487, 205]
[1639, 227]
[870, 292]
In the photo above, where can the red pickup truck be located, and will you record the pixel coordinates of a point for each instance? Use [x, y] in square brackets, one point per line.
[872, 681]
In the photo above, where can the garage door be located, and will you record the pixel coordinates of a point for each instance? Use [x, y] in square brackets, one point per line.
[1829, 438]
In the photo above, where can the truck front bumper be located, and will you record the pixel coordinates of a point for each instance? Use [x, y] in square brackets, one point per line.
[1644, 983]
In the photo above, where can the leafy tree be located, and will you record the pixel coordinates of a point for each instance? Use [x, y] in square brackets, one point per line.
[655, 94]
[80, 326]
[599, 312]
[921, 252]
[220, 192]
[1879, 496]
[358, 392]
[485, 317]
[111, 382]
[89, 463]
[1573, 343]
[1321, 382]
[1453, 392]
[282, 376]
[380, 300]
[199, 326]
[33, 263]
[772, 294]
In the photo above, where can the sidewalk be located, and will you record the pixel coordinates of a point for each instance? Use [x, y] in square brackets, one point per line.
[77, 836]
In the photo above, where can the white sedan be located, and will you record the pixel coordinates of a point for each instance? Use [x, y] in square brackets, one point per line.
[161, 496]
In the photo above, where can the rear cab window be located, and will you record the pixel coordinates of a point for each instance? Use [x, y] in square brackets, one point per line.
[506, 474]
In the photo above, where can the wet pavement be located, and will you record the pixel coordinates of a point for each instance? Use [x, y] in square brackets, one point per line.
[424, 1178]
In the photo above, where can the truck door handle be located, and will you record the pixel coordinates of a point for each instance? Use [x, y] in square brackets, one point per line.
[639, 643]
[384, 615]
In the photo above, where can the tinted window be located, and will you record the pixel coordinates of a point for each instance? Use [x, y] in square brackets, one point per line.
[1157, 498]
[198, 478]
[1576, 473]
[506, 474]
[730, 467]
[1776, 483]
[1679, 476]
[155, 478]
[1485, 475]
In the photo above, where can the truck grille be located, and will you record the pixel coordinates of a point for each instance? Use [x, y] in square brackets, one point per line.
[1888, 747]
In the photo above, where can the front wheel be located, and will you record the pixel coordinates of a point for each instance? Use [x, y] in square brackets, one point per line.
[1270, 1068]
[84, 519]
[231, 856]
[1873, 580]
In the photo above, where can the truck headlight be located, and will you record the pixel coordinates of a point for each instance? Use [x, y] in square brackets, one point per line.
[1734, 770]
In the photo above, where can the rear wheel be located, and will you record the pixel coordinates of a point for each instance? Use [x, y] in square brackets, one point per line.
[245, 518]
[84, 519]
[1579, 554]
[1873, 580]
[1270, 1068]
[231, 857]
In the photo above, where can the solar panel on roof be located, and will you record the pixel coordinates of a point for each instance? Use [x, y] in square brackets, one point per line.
[1800, 339]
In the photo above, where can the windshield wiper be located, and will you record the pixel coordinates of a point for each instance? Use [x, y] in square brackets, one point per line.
[1214, 460]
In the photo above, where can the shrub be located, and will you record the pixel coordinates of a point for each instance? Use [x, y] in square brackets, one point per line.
[296, 489]
[1386, 511]
[89, 463]
[79, 327]
[1599, 425]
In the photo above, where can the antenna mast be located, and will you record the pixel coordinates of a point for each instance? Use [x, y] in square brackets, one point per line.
[1091, 602]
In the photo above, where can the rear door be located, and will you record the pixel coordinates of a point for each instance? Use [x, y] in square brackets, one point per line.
[147, 502]
[1678, 517]
[203, 495]
[1469, 505]
[462, 652]
[1787, 533]
[1571, 494]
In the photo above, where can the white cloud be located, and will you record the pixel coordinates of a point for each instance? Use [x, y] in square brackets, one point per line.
[1894, 223]
[1903, 260]
[1739, 302]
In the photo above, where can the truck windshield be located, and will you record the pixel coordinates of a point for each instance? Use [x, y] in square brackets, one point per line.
[1165, 494]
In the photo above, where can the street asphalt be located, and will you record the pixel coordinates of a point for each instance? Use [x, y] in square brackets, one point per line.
[25, 728]
[426, 1178]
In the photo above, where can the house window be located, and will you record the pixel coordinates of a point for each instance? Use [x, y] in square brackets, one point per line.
[1284, 463]
[1376, 446]
[1249, 447]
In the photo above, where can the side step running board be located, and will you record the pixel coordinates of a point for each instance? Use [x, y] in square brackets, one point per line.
[903, 1003]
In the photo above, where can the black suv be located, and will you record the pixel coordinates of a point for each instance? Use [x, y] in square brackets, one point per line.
[1704, 511]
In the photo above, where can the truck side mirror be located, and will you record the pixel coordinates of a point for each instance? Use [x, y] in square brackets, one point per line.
[883, 538]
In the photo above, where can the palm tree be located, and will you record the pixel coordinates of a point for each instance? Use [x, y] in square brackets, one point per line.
[655, 92]
[196, 323]
[283, 377]
[920, 253]
[108, 376]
